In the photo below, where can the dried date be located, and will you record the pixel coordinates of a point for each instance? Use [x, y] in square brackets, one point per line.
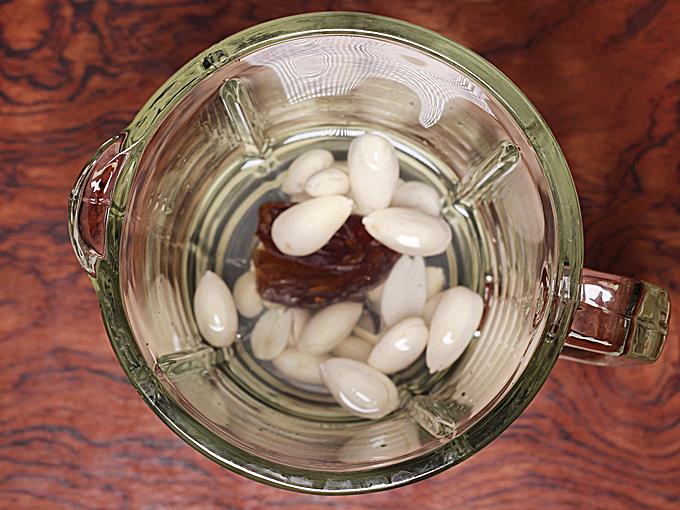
[350, 264]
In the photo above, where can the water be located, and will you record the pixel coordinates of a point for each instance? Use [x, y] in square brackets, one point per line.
[222, 238]
[227, 240]
[196, 209]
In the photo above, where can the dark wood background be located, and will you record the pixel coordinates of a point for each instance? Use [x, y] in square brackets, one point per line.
[73, 432]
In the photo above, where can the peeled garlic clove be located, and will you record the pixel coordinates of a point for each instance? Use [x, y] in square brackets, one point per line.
[303, 167]
[373, 171]
[270, 334]
[367, 329]
[325, 330]
[408, 231]
[307, 226]
[455, 320]
[435, 280]
[331, 181]
[417, 195]
[353, 348]
[300, 318]
[430, 307]
[400, 346]
[248, 301]
[405, 290]
[300, 366]
[359, 388]
[215, 310]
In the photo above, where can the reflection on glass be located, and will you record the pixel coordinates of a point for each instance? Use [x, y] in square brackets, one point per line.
[308, 69]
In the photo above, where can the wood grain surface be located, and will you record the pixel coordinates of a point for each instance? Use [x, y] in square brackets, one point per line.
[73, 432]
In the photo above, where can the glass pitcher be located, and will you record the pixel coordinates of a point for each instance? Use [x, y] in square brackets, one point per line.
[176, 193]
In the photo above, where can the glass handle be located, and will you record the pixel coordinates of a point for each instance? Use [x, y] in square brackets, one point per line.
[90, 202]
[619, 320]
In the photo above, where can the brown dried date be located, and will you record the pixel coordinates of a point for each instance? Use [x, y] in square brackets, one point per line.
[350, 264]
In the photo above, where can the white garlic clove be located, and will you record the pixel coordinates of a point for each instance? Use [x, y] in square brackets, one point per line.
[455, 320]
[400, 346]
[270, 334]
[303, 167]
[331, 181]
[215, 310]
[430, 307]
[373, 171]
[409, 231]
[417, 195]
[359, 388]
[248, 301]
[309, 225]
[354, 348]
[328, 327]
[300, 366]
[435, 280]
[300, 318]
[405, 290]
[367, 329]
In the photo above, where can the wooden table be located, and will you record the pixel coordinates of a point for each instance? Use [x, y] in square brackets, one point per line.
[73, 432]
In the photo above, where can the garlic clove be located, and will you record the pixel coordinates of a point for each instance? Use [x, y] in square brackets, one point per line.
[409, 231]
[405, 290]
[215, 310]
[328, 327]
[359, 388]
[270, 334]
[309, 225]
[456, 318]
[303, 167]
